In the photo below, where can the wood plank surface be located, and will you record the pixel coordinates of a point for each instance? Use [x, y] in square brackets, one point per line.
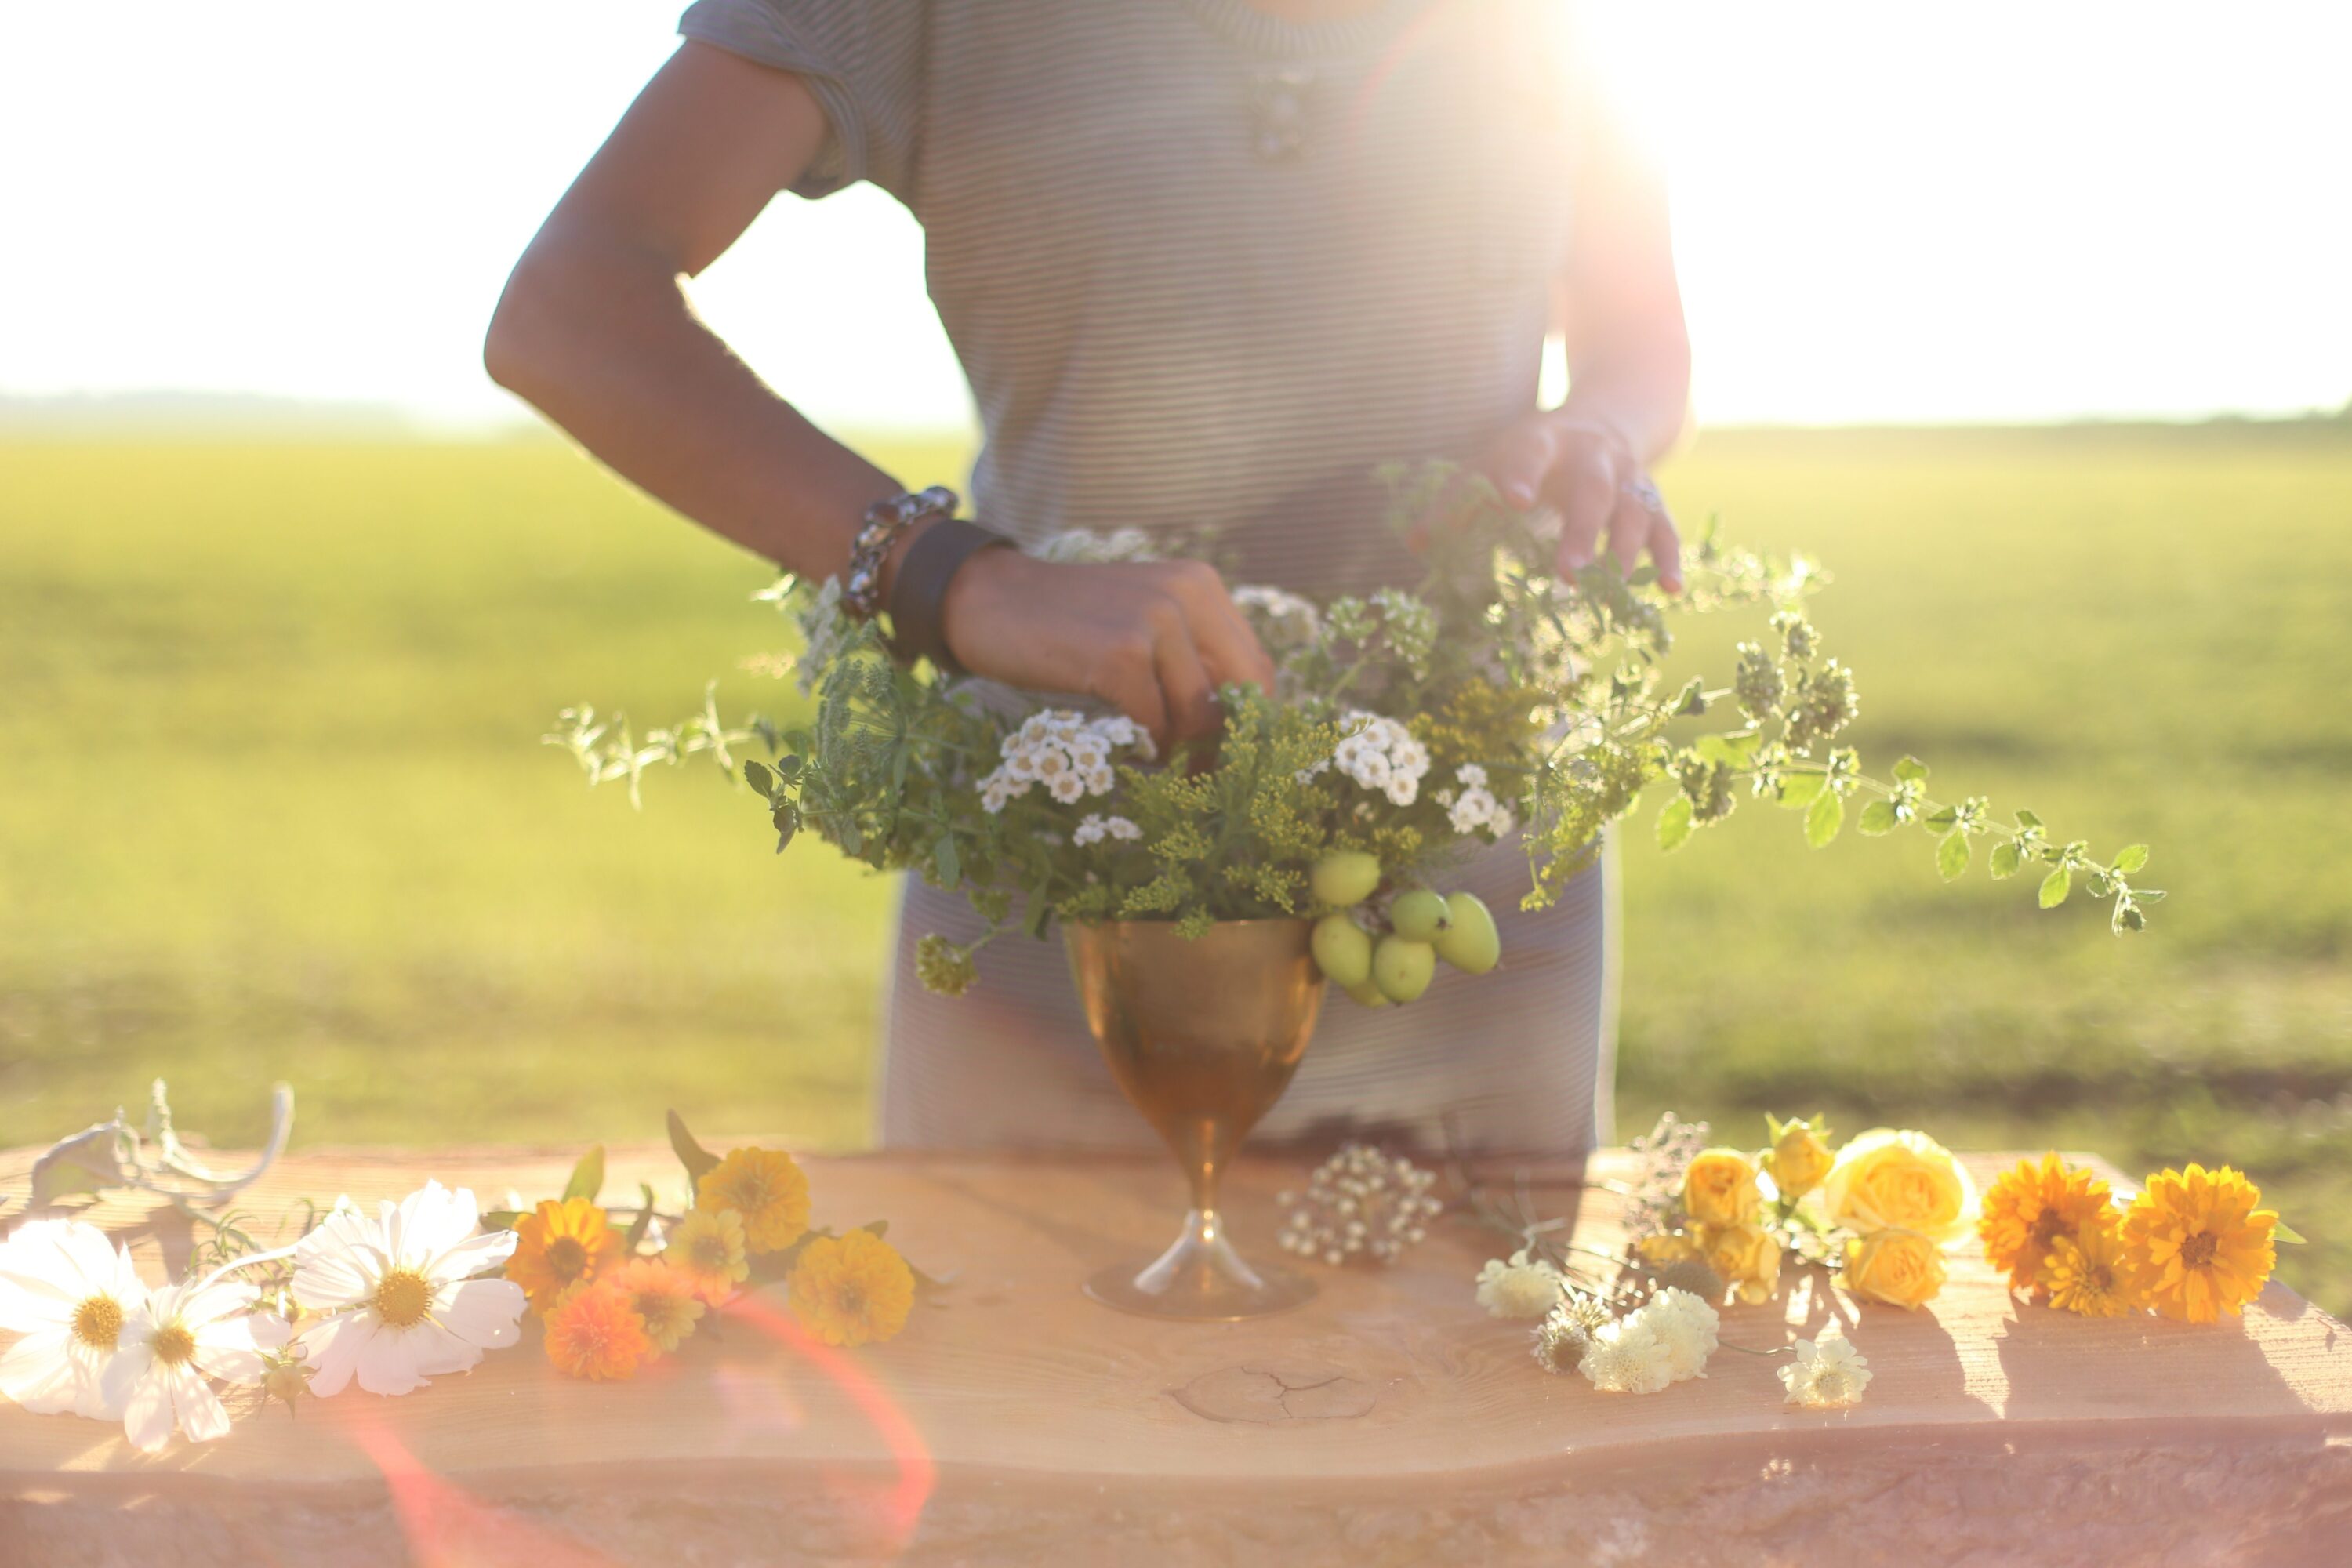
[1391, 1389]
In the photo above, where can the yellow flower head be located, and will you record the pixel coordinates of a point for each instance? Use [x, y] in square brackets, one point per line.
[1719, 1188]
[708, 1248]
[1800, 1157]
[852, 1290]
[663, 1297]
[2197, 1245]
[767, 1189]
[2032, 1205]
[1898, 1266]
[1664, 1246]
[1904, 1179]
[2086, 1273]
[557, 1246]
[1745, 1256]
[592, 1332]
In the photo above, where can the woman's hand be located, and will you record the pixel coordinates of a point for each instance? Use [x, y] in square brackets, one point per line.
[1155, 639]
[1585, 470]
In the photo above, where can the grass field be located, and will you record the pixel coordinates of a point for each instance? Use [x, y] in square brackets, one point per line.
[274, 808]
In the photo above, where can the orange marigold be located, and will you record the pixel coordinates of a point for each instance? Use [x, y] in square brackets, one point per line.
[2032, 1204]
[852, 1290]
[767, 1187]
[557, 1246]
[663, 1297]
[593, 1332]
[2198, 1243]
[2085, 1273]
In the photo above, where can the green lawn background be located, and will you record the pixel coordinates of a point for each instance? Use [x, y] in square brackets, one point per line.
[274, 808]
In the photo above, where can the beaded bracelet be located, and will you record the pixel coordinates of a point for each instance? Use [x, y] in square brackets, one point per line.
[884, 520]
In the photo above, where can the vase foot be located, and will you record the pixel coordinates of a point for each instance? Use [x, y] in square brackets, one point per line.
[1200, 1280]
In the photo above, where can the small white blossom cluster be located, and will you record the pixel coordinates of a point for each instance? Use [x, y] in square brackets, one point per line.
[1284, 621]
[1525, 1287]
[1095, 829]
[1359, 1200]
[1827, 1373]
[1067, 753]
[1474, 808]
[1084, 547]
[1664, 1341]
[1382, 754]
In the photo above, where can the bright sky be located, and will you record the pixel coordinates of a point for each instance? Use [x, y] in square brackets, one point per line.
[1886, 212]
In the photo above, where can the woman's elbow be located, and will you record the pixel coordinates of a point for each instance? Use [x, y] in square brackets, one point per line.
[515, 343]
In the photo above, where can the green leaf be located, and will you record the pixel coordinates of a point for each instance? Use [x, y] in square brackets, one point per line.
[1802, 789]
[2055, 886]
[951, 867]
[1731, 751]
[642, 1223]
[2006, 858]
[2027, 819]
[1823, 818]
[878, 1227]
[1879, 817]
[1909, 770]
[756, 775]
[2131, 857]
[1674, 823]
[1943, 819]
[692, 1155]
[587, 1177]
[500, 1219]
[2128, 918]
[2281, 1231]
[1952, 856]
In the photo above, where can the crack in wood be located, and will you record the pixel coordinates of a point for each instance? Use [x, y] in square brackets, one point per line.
[1264, 1396]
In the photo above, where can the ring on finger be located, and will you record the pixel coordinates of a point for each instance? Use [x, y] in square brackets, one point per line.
[1641, 489]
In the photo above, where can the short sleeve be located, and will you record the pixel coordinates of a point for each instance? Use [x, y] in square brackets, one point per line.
[863, 58]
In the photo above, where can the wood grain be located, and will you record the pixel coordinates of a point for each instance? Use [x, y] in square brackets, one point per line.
[1016, 1403]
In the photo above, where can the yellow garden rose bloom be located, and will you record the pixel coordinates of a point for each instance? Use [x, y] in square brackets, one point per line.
[1898, 1266]
[1720, 1188]
[1908, 1180]
[1798, 1159]
[1747, 1258]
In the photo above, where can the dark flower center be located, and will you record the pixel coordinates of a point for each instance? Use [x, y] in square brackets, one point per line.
[2198, 1251]
[566, 1256]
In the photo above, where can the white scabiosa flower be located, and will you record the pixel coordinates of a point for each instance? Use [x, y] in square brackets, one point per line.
[1525, 1287]
[177, 1338]
[69, 1292]
[1687, 1326]
[1827, 1373]
[1628, 1357]
[397, 1299]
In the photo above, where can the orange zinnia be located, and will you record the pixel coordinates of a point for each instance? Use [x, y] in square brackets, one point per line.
[557, 1246]
[593, 1332]
[767, 1187]
[2198, 1244]
[2032, 1205]
[852, 1290]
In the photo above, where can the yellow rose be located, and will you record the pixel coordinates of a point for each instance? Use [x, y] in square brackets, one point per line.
[1720, 1188]
[1898, 1266]
[1798, 1160]
[1908, 1179]
[1747, 1258]
[1667, 1247]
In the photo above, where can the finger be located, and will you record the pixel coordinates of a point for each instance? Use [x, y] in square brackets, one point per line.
[1184, 687]
[1228, 647]
[1520, 459]
[1585, 491]
[1128, 678]
[1628, 531]
[1666, 550]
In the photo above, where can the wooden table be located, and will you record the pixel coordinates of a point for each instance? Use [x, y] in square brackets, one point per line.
[1389, 1422]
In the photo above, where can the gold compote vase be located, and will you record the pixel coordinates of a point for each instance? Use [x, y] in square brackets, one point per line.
[1204, 1037]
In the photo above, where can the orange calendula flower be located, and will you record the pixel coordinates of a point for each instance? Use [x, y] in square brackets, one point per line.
[2032, 1204]
[593, 1332]
[767, 1189]
[662, 1296]
[557, 1246]
[2086, 1273]
[708, 1248]
[2198, 1244]
[852, 1290]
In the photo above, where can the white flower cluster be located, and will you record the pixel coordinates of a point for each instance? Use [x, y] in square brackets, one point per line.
[1095, 829]
[1084, 547]
[1382, 754]
[1526, 1287]
[1067, 753]
[1664, 1341]
[1359, 1200]
[1828, 1372]
[1284, 621]
[826, 630]
[1474, 808]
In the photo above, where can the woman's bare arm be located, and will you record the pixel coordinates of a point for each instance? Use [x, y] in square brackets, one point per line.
[595, 329]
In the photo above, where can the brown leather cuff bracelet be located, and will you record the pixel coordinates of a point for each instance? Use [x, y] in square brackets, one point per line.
[919, 589]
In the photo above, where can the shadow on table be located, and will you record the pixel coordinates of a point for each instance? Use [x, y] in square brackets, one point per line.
[1912, 1356]
[2057, 1365]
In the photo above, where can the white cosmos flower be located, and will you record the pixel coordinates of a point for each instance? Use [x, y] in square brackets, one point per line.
[397, 1298]
[69, 1292]
[183, 1335]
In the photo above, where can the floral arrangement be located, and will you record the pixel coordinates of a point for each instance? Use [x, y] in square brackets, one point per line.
[422, 1286]
[1493, 701]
